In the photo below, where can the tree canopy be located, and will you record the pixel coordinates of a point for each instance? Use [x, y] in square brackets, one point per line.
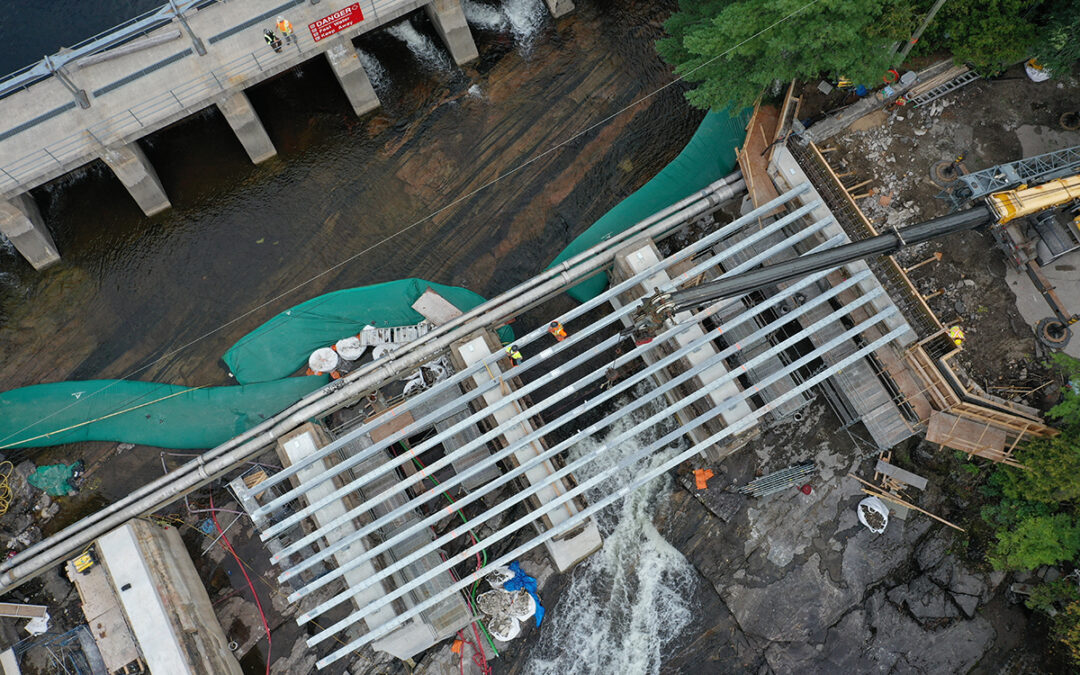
[717, 43]
[736, 49]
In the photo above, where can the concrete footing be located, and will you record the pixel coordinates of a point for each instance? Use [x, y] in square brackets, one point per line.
[353, 78]
[449, 21]
[21, 223]
[560, 7]
[247, 126]
[130, 165]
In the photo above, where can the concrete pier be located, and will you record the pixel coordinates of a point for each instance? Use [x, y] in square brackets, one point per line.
[248, 127]
[560, 7]
[350, 73]
[56, 118]
[134, 170]
[449, 21]
[21, 223]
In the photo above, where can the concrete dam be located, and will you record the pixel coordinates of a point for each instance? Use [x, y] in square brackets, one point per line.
[97, 100]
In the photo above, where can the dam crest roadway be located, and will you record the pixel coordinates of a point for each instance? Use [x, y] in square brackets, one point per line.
[174, 62]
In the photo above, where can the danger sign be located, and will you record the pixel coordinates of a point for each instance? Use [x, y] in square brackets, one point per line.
[336, 22]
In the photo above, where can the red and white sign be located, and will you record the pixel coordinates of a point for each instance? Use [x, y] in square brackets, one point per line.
[336, 22]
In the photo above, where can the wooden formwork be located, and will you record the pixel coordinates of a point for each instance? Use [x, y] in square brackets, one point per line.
[975, 423]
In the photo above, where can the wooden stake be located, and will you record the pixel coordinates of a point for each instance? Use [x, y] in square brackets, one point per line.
[934, 258]
[933, 295]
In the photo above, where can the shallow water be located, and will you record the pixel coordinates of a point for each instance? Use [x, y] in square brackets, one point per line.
[345, 202]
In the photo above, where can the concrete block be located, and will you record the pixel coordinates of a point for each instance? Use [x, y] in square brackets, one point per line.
[21, 223]
[134, 170]
[450, 24]
[351, 75]
[247, 126]
[560, 7]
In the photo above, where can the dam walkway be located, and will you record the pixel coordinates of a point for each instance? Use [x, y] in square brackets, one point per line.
[96, 100]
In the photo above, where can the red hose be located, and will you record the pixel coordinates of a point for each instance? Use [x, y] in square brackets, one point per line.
[229, 548]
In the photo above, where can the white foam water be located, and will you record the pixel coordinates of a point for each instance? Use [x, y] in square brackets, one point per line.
[375, 71]
[526, 19]
[484, 16]
[423, 47]
[633, 597]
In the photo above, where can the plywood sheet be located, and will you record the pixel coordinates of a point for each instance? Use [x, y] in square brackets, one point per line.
[964, 435]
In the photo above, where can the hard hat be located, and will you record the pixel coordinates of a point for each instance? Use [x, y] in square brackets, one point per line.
[280, 18]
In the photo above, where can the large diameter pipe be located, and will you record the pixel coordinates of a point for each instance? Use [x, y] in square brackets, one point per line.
[225, 457]
[882, 244]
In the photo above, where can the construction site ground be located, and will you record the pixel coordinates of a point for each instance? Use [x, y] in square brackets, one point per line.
[987, 122]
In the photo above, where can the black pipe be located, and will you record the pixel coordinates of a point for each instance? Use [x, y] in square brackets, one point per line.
[882, 244]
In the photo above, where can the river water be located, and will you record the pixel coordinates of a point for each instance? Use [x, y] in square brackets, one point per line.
[162, 298]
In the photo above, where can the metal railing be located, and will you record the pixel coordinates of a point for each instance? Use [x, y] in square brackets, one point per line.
[109, 39]
[76, 149]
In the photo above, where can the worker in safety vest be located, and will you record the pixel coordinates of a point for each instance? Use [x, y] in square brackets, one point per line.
[272, 40]
[514, 354]
[557, 330]
[957, 335]
[285, 26]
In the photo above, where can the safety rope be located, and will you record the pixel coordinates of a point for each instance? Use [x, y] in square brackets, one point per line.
[6, 469]
[103, 417]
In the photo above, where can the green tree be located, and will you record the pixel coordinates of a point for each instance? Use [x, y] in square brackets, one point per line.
[1058, 44]
[1053, 470]
[989, 34]
[736, 50]
[1068, 410]
[1042, 540]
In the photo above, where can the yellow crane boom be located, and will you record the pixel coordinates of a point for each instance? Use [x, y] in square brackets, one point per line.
[1024, 201]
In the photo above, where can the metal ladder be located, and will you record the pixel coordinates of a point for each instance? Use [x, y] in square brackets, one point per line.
[939, 91]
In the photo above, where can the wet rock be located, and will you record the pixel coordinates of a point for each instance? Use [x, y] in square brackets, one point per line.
[301, 659]
[951, 574]
[925, 600]
[869, 558]
[968, 603]
[932, 551]
[21, 490]
[794, 608]
[954, 649]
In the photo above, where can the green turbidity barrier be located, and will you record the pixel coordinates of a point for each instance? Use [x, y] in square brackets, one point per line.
[281, 346]
[709, 156]
[146, 413]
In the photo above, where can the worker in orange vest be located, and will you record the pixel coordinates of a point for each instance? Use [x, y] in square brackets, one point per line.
[701, 478]
[285, 26]
[557, 330]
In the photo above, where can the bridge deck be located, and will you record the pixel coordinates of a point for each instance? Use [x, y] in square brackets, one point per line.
[560, 385]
